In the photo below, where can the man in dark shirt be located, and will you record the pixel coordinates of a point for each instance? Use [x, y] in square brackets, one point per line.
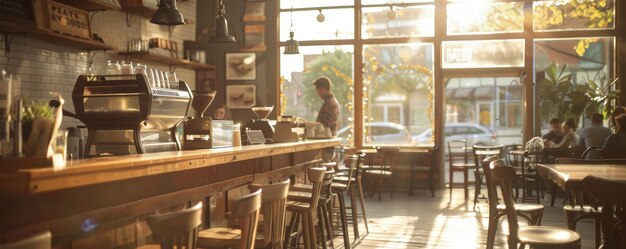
[328, 115]
[556, 134]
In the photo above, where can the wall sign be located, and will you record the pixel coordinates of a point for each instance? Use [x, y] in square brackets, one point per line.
[68, 20]
[17, 8]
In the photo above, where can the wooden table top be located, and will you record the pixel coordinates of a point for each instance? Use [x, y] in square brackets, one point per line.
[568, 175]
[105, 169]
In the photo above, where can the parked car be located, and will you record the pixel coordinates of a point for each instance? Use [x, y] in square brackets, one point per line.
[474, 134]
[381, 133]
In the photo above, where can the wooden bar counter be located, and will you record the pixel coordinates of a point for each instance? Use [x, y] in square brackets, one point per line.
[101, 202]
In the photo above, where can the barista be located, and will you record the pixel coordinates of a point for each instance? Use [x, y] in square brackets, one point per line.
[328, 115]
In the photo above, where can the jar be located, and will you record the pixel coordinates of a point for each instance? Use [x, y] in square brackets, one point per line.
[127, 67]
[236, 135]
[113, 68]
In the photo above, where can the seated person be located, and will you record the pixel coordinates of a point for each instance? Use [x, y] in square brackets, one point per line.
[570, 139]
[617, 141]
[555, 135]
[619, 110]
[221, 112]
[595, 135]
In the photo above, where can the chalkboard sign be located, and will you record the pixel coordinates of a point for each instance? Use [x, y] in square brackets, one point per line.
[17, 8]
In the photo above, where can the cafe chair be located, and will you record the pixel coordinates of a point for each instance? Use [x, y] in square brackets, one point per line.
[379, 169]
[302, 211]
[611, 194]
[537, 237]
[37, 241]
[246, 213]
[480, 153]
[424, 167]
[271, 232]
[528, 176]
[175, 229]
[355, 189]
[459, 161]
[531, 212]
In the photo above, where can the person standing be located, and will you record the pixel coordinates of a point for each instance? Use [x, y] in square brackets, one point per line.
[328, 115]
[555, 135]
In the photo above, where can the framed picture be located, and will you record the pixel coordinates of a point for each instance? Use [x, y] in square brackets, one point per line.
[240, 96]
[240, 66]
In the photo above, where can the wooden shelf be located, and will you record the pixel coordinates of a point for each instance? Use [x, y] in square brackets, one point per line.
[162, 59]
[31, 30]
[90, 5]
[147, 12]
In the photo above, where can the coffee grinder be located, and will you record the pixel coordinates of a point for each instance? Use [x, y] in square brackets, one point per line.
[197, 130]
[262, 123]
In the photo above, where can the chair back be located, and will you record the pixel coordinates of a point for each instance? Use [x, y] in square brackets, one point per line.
[38, 241]
[562, 160]
[388, 155]
[513, 160]
[273, 207]
[483, 151]
[504, 176]
[492, 192]
[176, 229]
[457, 151]
[246, 212]
[611, 194]
[327, 181]
[352, 163]
[316, 178]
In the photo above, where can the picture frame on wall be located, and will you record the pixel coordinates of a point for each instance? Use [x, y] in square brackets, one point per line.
[240, 66]
[241, 96]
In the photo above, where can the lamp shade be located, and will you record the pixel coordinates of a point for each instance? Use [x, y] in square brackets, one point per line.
[167, 14]
[292, 45]
[221, 27]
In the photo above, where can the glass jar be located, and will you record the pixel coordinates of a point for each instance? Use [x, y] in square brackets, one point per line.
[236, 135]
[127, 67]
[156, 78]
[113, 68]
[142, 69]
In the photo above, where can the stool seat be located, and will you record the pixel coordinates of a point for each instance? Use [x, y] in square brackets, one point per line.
[378, 172]
[344, 179]
[463, 165]
[583, 209]
[297, 205]
[219, 237]
[544, 235]
[522, 207]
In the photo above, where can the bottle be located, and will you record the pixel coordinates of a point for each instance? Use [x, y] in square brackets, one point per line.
[236, 135]
[113, 68]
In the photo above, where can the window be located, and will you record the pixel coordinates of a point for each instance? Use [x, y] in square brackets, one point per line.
[573, 15]
[472, 54]
[481, 16]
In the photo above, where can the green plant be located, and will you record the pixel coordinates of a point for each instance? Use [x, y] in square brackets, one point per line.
[562, 98]
[37, 109]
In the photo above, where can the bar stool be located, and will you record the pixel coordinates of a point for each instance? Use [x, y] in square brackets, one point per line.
[380, 168]
[273, 209]
[531, 212]
[339, 188]
[355, 189]
[538, 237]
[175, 229]
[303, 210]
[457, 157]
[37, 241]
[246, 213]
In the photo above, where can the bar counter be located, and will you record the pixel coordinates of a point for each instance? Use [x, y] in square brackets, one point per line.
[100, 202]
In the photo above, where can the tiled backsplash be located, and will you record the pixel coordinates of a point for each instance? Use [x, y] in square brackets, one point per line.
[45, 68]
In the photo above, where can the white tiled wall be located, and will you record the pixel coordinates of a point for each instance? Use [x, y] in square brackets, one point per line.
[45, 67]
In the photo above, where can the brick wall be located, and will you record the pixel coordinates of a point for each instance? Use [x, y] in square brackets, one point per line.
[45, 67]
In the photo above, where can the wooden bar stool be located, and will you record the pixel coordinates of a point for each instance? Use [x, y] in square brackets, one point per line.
[339, 189]
[303, 210]
[175, 229]
[538, 237]
[459, 161]
[531, 212]
[246, 213]
[38, 241]
[355, 190]
[273, 209]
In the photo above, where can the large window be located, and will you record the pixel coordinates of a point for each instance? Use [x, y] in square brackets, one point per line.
[488, 59]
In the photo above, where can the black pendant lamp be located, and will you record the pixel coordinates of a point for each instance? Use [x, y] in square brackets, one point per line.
[292, 45]
[221, 27]
[167, 14]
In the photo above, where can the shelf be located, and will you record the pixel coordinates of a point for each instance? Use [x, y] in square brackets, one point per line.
[147, 12]
[31, 30]
[162, 59]
[91, 5]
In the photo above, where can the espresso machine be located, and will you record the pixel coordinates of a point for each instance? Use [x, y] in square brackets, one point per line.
[125, 115]
[261, 123]
[202, 132]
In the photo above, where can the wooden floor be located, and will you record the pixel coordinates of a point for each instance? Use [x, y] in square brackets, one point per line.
[424, 222]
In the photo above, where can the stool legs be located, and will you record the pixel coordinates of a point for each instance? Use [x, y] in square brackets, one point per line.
[344, 220]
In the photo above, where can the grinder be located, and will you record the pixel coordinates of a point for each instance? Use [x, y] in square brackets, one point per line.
[202, 132]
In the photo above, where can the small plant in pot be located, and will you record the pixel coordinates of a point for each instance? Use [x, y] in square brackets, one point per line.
[37, 125]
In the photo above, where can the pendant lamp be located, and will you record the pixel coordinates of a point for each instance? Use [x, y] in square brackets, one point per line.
[221, 27]
[292, 45]
[167, 14]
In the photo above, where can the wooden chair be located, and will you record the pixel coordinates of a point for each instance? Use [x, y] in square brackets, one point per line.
[246, 212]
[611, 194]
[528, 175]
[274, 209]
[355, 189]
[459, 161]
[339, 188]
[379, 169]
[425, 168]
[38, 241]
[531, 212]
[175, 229]
[303, 211]
[514, 159]
[534, 236]
[480, 153]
